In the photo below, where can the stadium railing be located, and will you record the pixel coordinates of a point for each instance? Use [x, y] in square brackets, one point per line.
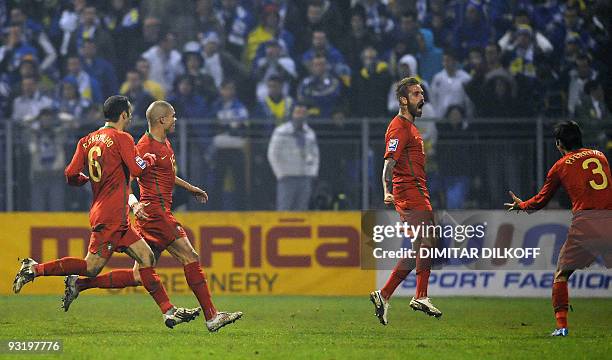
[470, 164]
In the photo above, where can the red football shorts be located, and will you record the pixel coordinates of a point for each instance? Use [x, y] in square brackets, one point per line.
[159, 231]
[106, 239]
[589, 236]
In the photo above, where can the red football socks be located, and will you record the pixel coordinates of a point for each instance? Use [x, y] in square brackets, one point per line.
[150, 280]
[400, 272]
[62, 267]
[116, 279]
[197, 282]
[423, 269]
[560, 301]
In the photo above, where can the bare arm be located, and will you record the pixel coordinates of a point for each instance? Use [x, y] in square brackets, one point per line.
[200, 194]
[387, 180]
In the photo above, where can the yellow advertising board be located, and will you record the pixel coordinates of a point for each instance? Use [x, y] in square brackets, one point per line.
[242, 252]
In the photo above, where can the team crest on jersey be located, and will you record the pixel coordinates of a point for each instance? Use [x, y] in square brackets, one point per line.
[140, 162]
[392, 144]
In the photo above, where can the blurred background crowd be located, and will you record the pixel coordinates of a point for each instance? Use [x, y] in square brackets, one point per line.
[238, 69]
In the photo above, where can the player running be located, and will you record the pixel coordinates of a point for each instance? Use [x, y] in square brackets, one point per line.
[110, 155]
[405, 186]
[585, 175]
[157, 224]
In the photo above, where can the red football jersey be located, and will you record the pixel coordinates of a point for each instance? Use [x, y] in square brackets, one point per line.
[157, 184]
[405, 145]
[110, 156]
[585, 175]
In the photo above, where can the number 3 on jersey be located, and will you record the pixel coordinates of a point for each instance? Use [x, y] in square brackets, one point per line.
[95, 170]
[598, 170]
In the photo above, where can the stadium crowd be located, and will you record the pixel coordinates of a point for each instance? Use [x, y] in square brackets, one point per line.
[234, 60]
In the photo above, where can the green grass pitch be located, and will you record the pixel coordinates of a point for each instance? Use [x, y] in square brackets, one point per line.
[290, 327]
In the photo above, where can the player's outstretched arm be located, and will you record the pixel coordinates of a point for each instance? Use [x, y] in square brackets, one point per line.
[387, 180]
[73, 173]
[542, 198]
[199, 194]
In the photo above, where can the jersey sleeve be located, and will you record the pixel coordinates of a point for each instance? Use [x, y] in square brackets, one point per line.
[546, 193]
[73, 173]
[397, 140]
[129, 156]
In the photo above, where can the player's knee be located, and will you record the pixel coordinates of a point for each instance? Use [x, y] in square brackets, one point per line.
[148, 259]
[562, 276]
[93, 269]
[191, 257]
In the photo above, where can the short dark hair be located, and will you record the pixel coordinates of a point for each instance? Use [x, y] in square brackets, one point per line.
[404, 84]
[114, 106]
[569, 135]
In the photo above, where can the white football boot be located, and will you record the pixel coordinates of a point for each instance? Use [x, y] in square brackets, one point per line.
[177, 316]
[424, 304]
[221, 319]
[71, 292]
[25, 274]
[381, 306]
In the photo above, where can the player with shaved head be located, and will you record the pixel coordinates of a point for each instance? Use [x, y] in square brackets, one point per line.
[156, 223]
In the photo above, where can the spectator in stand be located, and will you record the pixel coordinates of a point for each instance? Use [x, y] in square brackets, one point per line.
[165, 60]
[293, 154]
[379, 20]
[15, 49]
[27, 106]
[139, 97]
[275, 63]
[229, 147]
[236, 22]
[187, 103]
[322, 90]
[276, 106]
[230, 112]
[579, 76]
[442, 30]
[572, 23]
[501, 101]
[573, 48]
[123, 22]
[456, 164]
[89, 87]
[447, 86]
[407, 32]
[34, 34]
[269, 29]
[68, 102]
[368, 90]
[46, 137]
[153, 87]
[221, 65]
[206, 21]
[473, 31]
[151, 33]
[429, 56]
[357, 39]
[321, 15]
[203, 84]
[593, 105]
[321, 47]
[507, 42]
[594, 116]
[100, 69]
[89, 27]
